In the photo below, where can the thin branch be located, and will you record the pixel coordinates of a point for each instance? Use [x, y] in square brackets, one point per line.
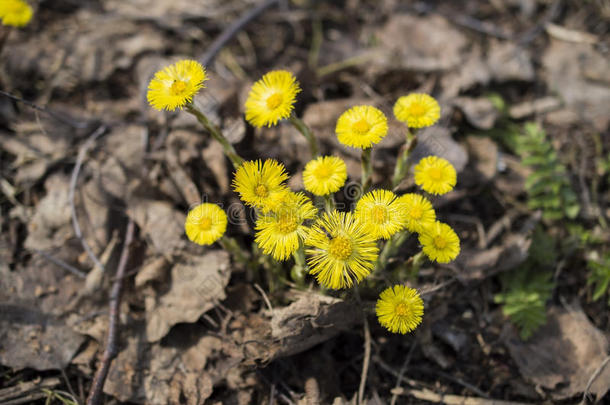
[57, 116]
[232, 30]
[73, 181]
[403, 369]
[592, 379]
[367, 351]
[111, 350]
[61, 263]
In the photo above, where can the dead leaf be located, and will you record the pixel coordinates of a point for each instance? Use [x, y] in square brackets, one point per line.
[575, 72]
[563, 354]
[34, 339]
[161, 223]
[480, 112]
[431, 43]
[507, 61]
[197, 285]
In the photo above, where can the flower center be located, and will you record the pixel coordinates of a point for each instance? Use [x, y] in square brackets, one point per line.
[440, 242]
[205, 224]
[261, 191]
[178, 87]
[274, 101]
[402, 309]
[416, 212]
[340, 248]
[322, 172]
[379, 214]
[435, 173]
[287, 223]
[361, 127]
[417, 110]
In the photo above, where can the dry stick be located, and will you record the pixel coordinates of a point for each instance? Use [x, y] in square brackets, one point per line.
[61, 263]
[111, 350]
[58, 117]
[367, 350]
[402, 372]
[592, 379]
[73, 180]
[232, 30]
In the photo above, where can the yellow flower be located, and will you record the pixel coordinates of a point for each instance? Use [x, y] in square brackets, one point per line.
[361, 126]
[382, 213]
[417, 110]
[440, 242]
[175, 86]
[435, 175]
[260, 184]
[205, 224]
[399, 309]
[418, 210]
[324, 175]
[271, 99]
[342, 250]
[280, 233]
[15, 13]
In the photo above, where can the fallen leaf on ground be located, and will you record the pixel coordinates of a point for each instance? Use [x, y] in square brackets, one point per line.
[562, 355]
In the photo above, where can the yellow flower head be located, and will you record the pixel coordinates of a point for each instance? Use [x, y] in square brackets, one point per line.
[272, 98]
[435, 175]
[418, 211]
[417, 110]
[341, 250]
[382, 213]
[260, 184]
[399, 309]
[175, 86]
[15, 13]
[440, 242]
[361, 126]
[280, 233]
[205, 224]
[324, 175]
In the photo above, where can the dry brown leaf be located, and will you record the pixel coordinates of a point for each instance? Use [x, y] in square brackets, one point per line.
[562, 355]
[197, 285]
[161, 223]
[34, 339]
[480, 112]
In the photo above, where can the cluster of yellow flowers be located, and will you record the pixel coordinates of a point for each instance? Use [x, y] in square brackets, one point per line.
[15, 13]
[341, 248]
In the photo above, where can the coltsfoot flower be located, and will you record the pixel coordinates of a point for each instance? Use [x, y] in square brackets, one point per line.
[417, 110]
[261, 184]
[15, 13]
[440, 242]
[272, 98]
[435, 175]
[280, 233]
[205, 224]
[361, 126]
[418, 211]
[382, 213]
[176, 85]
[399, 309]
[324, 175]
[341, 251]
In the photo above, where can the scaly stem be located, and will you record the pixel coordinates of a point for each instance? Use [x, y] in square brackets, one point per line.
[216, 134]
[300, 269]
[401, 168]
[367, 169]
[230, 245]
[329, 202]
[304, 129]
[390, 248]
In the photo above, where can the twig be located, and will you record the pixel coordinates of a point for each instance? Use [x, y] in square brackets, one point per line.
[229, 32]
[267, 302]
[402, 372]
[58, 117]
[61, 263]
[111, 350]
[73, 180]
[592, 379]
[367, 351]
